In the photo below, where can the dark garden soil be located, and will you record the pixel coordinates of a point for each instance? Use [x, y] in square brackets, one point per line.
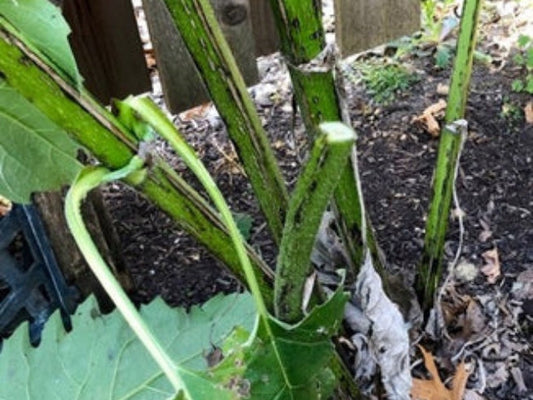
[488, 320]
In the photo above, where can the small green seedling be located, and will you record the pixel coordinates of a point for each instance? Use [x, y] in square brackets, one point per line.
[385, 81]
[524, 59]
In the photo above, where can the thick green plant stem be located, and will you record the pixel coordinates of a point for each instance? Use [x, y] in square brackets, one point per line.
[312, 194]
[151, 114]
[303, 44]
[107, 140]
[430, 268]
[200, 31]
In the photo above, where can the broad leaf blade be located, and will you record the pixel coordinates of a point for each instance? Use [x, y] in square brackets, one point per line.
[35, 154]
[102, 359]
[41, 24]
[305, 350]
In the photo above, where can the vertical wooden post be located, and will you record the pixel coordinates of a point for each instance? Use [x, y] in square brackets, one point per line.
[363, 24]
[107, 47]
[235, 21]
[264, 27]
[182, 85]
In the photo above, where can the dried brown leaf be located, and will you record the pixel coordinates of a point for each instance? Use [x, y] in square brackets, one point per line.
[492, 267]
[434, 389]
[195, 113]
[428, 119]
[474, 319]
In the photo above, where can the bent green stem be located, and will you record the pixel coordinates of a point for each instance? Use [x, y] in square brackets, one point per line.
[89, 179]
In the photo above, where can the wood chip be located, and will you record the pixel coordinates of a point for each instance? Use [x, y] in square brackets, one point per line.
[443, 89]
[528, 111]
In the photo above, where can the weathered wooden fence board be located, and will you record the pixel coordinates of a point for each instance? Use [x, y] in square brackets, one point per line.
[107, 47]
[180, 80]
[265, 32]
[363, 24]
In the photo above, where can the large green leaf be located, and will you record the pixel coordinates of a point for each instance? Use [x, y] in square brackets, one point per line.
[290, 364]
[102, 359]
[41, 24]
[35, 154]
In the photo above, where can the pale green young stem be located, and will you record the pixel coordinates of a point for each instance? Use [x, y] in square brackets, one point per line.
[89, 179]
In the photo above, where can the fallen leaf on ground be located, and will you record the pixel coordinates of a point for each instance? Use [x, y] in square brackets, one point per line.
[492, 268]
[528, 111]
[196, 113]
[434, 389]
[523, 287]
[474, 319]
[486, 233]
[518, 378]
[428, 119]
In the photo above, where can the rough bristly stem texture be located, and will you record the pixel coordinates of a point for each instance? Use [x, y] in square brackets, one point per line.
[312, 194]
[148, 112]
[430, 268]
[201, 34]
[311, 65]
[107, 140]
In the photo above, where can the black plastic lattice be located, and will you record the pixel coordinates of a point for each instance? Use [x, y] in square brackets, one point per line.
[32, 286]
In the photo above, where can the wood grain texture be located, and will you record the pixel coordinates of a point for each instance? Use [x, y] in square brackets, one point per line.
[182, 85]
[264, 27]
[363, 24]
[107, 47]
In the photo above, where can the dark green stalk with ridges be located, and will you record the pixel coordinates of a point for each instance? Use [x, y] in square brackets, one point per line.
[99, 132]
[199, 29]
[299, 24]
[430, 268]
[312, 194]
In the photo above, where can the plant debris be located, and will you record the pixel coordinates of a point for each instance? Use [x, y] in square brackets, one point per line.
[434, 389]
[429, 117]
[492, 268]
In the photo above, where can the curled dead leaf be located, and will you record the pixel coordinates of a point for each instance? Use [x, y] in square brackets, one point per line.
[428, 119]
[492, 267]
[434, 389]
